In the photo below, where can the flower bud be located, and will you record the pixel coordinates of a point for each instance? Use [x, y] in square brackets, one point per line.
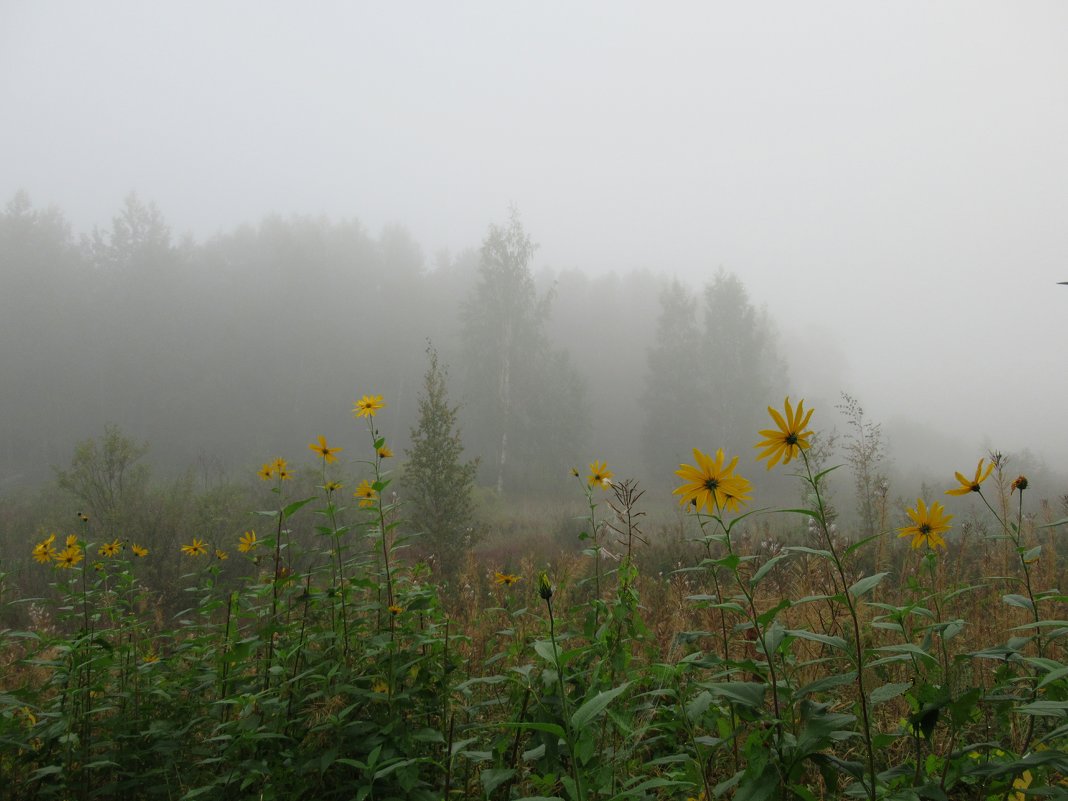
[545, 587]
[1020, 483]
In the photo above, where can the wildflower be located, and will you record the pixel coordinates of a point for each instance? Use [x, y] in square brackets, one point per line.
[505, 579]
[790, 438]
[83, 517]
[247, 542]
[266, 472]
[332, 486]
[394, 609]
[1019, 483]
[1019, 784]
[368, 405]
[600, 475]
[150, 658]
[29, 719]
[575, 472]
[711, 485]
[324, 450]
[928, 525]
[139, 551]
[72, 541]
[69, 557]
[221, 554]
[385, 453]
[44, 552]
[110, 549]
[98, 566]
[366, 493]
[545, 587]
[380, 687]
[196, 548]
[967, 486]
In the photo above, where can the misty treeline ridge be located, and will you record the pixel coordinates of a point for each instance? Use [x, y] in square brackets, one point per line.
[247, 345]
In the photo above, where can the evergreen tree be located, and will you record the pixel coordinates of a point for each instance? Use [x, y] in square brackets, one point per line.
[438, 483]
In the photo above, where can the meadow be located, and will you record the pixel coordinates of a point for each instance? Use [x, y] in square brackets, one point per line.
[314, 655]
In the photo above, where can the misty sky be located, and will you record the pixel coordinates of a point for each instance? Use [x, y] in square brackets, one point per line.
[889, 179]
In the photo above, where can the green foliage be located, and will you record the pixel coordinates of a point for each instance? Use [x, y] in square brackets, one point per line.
[438, 482]
[320, 664]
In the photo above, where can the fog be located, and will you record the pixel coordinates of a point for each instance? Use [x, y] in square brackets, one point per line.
[889, 182]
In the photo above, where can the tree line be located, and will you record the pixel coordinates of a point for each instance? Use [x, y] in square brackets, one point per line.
[244, 346]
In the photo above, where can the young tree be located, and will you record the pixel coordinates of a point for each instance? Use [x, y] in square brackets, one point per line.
[437, 481]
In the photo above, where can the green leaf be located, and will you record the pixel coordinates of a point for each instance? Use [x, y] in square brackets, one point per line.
[889, 691]
[492, 778]
[292, 508]
[867, 584]
[766, 568]
[1021, 601]
[826, 639]
[549, 728]
[746, 693]
[595, 706]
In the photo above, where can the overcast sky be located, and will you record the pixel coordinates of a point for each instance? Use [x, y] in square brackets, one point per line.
[889, 179]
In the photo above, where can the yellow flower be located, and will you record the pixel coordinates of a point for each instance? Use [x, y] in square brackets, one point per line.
[196, 548]
[1019, 483]
[29, 719]
[69, 557]
[928, 525]
[789, 439]
[505, 579]
[139, 551]
[220, 554]
[72, 541]
[967, 486]
[1022, 782]
[325, 451]
[394, 609]
[110, 549]
[575, 472]
[44, 552]
[150, 658]
[380, 687]
[368, 405]
[332, 486]
[247, 542]
[366, 493]
[385, 453]
[710, 485]
[266, 472]
[600, 475]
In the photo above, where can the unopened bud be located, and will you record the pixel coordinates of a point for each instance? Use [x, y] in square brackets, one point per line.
[545, 587]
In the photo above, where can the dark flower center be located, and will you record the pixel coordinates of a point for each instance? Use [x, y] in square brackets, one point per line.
[711, 484]
[791, 438]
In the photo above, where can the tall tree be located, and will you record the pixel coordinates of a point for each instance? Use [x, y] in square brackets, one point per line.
[675, 397]
[743, 366]
[437, 481]
[528, 400]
